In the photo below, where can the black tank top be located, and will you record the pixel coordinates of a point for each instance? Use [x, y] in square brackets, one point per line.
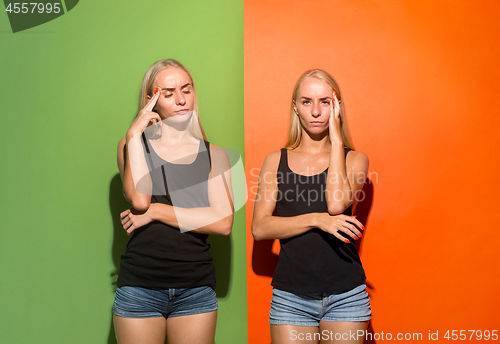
[314, 261]
[159, 255]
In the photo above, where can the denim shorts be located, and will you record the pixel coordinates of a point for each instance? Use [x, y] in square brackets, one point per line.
[308, 310]
[138, 302]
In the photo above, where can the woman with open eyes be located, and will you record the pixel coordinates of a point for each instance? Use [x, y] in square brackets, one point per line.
[167, 278]
[314, 182]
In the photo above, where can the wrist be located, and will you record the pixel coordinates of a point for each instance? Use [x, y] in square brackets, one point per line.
[336, 144]
[152, 212]
[129, 136]
[314, 220]
[336, 137]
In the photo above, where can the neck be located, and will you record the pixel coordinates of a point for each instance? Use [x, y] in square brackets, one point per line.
[175, 133]
[314, 144]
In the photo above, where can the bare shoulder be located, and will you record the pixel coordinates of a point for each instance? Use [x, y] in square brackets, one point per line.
[273, 158]
[357, 161]
[271, 161]
[218, 155]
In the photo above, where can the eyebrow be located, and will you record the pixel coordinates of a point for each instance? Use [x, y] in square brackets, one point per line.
[173, 89]
[324, 98]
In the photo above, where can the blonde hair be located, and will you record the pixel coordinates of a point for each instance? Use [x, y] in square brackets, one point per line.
[295, 128]
[194, 125]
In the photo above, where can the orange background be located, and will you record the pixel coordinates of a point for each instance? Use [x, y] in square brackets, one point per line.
[420, 82]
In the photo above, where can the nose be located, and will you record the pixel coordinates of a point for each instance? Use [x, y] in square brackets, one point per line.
[179, 99]
[316, 111]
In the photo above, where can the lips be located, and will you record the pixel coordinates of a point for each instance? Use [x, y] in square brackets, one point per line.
[316, 123]
[181, 111]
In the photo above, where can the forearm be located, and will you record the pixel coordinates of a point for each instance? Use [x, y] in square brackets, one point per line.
[137, 184]
[338, 192]
[276, 227]
[206, 220]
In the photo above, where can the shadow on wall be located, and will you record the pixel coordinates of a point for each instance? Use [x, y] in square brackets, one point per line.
[363, 211]
[117, 204]
[264, 261]
[220, 247]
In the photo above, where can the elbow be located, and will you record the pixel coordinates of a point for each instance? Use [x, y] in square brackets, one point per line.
[337, 208]
[227, 225]
[223, 227]
[140, 205]
[257, 232]
[139, 202]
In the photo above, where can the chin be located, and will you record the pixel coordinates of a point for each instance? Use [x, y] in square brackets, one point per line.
[317, 130]
[178, 118]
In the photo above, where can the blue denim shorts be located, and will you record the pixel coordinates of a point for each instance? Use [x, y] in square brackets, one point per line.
[308, 310]
[137, 302]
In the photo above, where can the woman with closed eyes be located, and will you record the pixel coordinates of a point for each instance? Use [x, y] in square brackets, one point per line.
[179, 187]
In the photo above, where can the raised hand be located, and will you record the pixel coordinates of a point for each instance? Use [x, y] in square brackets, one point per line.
[146, 116]
[334, 122]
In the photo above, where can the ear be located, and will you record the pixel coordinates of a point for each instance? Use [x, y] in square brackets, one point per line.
[295, 107]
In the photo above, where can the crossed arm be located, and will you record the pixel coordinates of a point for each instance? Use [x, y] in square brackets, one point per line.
[215, 219]
[267, 226]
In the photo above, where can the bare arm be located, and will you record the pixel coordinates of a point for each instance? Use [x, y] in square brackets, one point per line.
[338, 189]
[264, 224]
[345, 178]
[267, 226]
[132, 162]
[357, 169]
[215, 219]
[140, 201]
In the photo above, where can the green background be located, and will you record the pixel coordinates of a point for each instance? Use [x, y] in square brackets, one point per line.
[68, 93]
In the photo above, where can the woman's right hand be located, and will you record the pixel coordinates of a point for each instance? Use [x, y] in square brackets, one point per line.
[146, 117]
[340, 223]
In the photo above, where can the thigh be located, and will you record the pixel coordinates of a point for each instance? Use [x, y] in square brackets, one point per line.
[350, 306]
[292, 334]
[351, 332]
[294, 309]
[195, 328]
[137, 302]
[140, 330]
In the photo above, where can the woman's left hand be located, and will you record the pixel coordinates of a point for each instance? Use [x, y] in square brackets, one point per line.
[132, 220]
[334, 122]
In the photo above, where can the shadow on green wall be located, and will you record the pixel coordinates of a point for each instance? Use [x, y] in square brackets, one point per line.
[220, 247]
[117, 204]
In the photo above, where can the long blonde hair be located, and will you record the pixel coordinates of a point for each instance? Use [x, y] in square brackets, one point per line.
[295, 128]
[194, 126]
